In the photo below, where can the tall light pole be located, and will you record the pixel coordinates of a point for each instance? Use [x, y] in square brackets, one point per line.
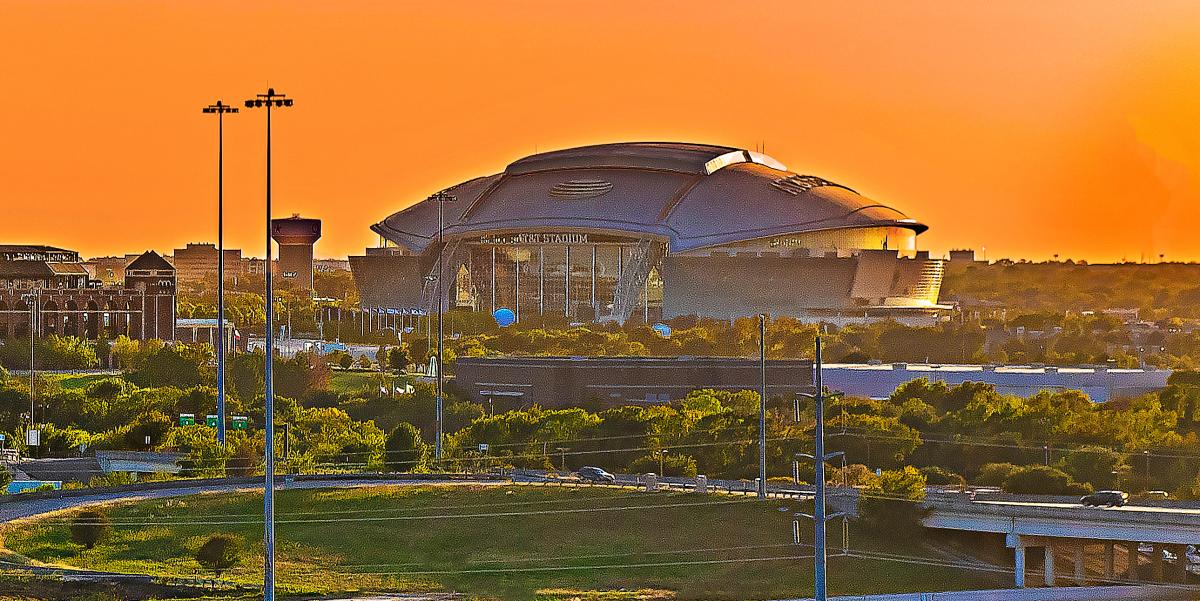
[33, 299]
[269, 100]
[220, 109]
[441, 198]
[762, 406]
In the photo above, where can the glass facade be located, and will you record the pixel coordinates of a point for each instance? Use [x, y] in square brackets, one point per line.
[571, 275]
[899, 239]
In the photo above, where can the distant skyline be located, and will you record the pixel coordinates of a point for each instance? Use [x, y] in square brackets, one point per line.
[1031, 129]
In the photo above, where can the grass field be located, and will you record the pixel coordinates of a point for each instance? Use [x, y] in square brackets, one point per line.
[80, 381]
[353, 382]
[512, 542]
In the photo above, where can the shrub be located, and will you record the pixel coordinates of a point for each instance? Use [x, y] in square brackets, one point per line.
[219, 553]
[90, 527]
[405, 450]
[672, 465]
[1096, 465]
[940, 476]
[891, 503]
[994, 474]
[1043, 480]
[855, 474]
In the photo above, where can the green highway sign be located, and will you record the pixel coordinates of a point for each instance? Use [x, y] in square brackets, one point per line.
[239, 422]
[210, 421]
[187, 419]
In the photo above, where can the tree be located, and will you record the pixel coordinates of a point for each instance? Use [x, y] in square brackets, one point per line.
[398, 358]
[154, 425]
[665, 465]
[1096, 465]
[404, 447]
[940, 476]
[90, 527]
[219, 553]
[1043, 480]
[892, 502]
[994, 474]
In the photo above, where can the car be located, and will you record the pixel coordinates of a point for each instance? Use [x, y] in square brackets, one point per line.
[595, 474]
[1111, 498]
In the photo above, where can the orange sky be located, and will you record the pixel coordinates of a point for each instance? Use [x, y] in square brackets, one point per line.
[1030, 128]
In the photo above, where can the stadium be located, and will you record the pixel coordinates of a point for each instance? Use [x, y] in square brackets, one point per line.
[649, 231]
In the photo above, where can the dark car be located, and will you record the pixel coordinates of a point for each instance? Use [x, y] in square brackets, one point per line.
[595, 474]
[1111, 498]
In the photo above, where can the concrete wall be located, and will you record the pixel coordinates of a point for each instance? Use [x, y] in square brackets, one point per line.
[571, 381]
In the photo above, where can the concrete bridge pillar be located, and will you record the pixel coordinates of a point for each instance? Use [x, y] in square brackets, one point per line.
[1049, 553]
[1157, 562]
[1110, 553]
[1019, 566]
[1131, 570]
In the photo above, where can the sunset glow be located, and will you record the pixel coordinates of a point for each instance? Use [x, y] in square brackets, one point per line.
[1031, 129]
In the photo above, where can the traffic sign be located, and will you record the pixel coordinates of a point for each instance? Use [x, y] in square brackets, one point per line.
[210, 421]
[239, 422]
[483, 447]
[187, 419]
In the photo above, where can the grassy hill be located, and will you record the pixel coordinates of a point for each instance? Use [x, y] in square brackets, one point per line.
[511, 542]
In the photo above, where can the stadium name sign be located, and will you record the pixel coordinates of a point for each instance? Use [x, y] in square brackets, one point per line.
[535, 238]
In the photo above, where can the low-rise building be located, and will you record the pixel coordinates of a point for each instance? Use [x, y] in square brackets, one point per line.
[611, 381]
[48, 290]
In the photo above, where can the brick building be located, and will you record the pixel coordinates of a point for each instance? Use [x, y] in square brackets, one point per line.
[50, 288]
[195, 262]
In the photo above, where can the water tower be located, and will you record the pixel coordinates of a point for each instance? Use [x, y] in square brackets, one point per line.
[296, 237]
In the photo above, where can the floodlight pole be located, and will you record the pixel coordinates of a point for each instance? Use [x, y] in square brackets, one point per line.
[440, 198]
[762, 406]
[270, 99]
[33, 299]
[220, 109]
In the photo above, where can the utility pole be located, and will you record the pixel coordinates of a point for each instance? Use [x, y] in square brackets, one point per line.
[270, 100]
[819, 458]
[819, 590]
[762, 406]
[220, 109]
[562, 452]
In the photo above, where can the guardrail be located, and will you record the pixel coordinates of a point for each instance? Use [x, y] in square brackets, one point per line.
[237, 481]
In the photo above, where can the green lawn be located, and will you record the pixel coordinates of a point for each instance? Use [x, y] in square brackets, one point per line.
[353, 382]
[509, 542]
[80, 381]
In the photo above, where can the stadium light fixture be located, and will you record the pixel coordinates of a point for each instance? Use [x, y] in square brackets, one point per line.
[260, 100]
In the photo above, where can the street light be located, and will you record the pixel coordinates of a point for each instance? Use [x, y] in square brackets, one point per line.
[33, 299]
[269, 100]
[440, 198]
[220, 109]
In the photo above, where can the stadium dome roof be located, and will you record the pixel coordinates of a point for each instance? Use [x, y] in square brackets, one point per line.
[693, 195]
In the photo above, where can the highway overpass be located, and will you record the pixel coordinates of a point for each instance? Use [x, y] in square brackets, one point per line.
[1060, 524]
